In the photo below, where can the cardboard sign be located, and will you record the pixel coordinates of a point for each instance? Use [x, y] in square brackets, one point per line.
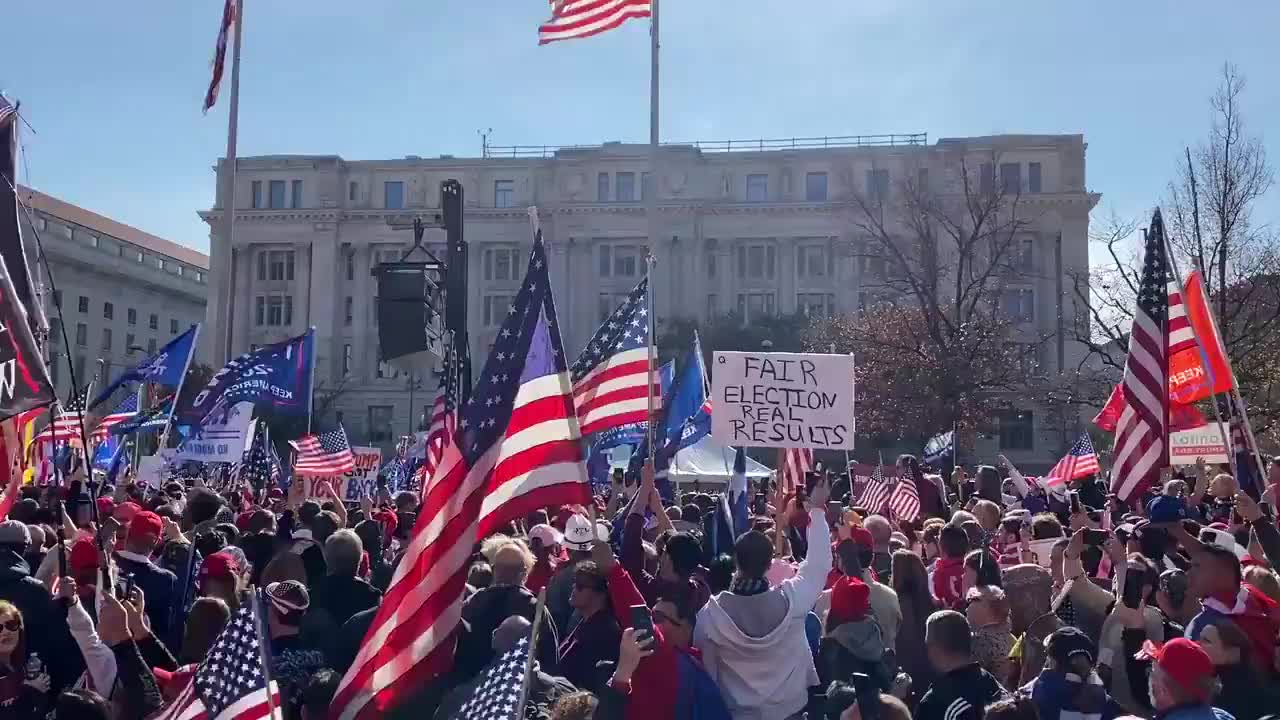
[352, 486]
[153, 470]
[222, 439]
[1204, 441]
[783, 400]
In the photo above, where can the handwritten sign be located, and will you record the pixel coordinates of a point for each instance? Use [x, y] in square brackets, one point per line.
[783, 400]
[1204, 441]
[352, 486]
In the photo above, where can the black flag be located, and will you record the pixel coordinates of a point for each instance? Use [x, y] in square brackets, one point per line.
[24, 379]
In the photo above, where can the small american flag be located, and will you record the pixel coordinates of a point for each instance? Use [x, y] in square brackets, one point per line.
[572, 19]
[231, 683]
[792, 465]
[1080, 461]
[262, 464]
[444, 418]
[904, 501]
[497, 696]
[876, 492]
[609, 387]
[324, 454]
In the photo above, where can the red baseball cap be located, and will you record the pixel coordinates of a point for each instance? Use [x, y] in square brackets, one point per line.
[1186, 662]
[221, 565]
[145, 524]
[83, 555]
[850, 600]
[106, 506]
[862, 537]
[124, 512]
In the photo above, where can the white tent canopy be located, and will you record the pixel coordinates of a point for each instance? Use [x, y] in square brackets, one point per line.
[710, 462]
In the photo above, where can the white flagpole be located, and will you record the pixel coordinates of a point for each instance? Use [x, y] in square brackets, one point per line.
[651, 212]
[229, 186]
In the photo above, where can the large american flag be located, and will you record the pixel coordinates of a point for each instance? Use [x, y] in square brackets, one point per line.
[876, 492]
[1142, 432]
[517, 449]
[497, 695]
[220, 53]
[904, 501]
[324, 454]
[230, 684]
[572, 19]
[1080, 461]
[609, 388]
[793, 463]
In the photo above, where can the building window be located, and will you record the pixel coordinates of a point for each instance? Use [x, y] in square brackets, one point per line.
[1018, 305]
[495, 309]
[602, 187]
[199, 276]
[380, 423]
[711, 263]
[260, 310]
[353, 190]
[132, 315]
[713, 306]
[83, 304]
[139, 257]
[151, 346]
[348, 311]
[106, 339]
[626, 187]
[351, 266]
[622, 261]
[275, 265]
[82, 335]
[816, 304]
[756, 262]
[1011, 178]
[393, 194]
[275, 194]
[274, 310]
[752, 306]
[108, 310]
[813, 261]
[815, 187]
[154, 322]
[1023, 252]
[504, 193]
[878, 184]
[295, 196]
[130, 342]
[1033, 177]
[646, 185]
[173, 326]
[757, 188]
[987, 179]
[256, 193]
[1017, 430]
[501, 263]
[57, 299]
[346, 360]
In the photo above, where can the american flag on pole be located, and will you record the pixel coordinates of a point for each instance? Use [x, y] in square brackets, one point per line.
[231, 684]
[517, 449]
[497, 695]
[66, 425]
[126, 410]
[443, 421]
[609, 387]
[904, 501]
[324, 454]
[1080, 461]
[573, 19]
[876, 492]
[7, 110]
[1142, 433]
[220, 53]
[793, 463]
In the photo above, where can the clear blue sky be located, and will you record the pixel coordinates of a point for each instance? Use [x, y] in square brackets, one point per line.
[114, 88]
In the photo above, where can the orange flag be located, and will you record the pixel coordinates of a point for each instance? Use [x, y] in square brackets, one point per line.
[1190, 379]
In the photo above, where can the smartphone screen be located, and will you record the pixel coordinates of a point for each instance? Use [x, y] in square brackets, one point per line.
[642, 621]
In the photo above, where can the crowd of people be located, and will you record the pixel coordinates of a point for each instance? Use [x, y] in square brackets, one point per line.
[1004, 599]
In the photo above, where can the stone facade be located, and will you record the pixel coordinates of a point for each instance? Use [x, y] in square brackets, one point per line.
[753, 231]
[123, 292]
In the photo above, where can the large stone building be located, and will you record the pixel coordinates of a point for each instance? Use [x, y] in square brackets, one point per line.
[756, 228]
[123, 292]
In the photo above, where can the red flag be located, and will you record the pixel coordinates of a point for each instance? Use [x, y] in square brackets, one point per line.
[1189, 377]
[1181, 417]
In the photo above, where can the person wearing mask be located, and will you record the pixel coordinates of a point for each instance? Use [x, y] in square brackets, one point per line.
[293, 661]
[158, 585]
[961, 688]
[752, 636]
[595, 638]
[947, 579]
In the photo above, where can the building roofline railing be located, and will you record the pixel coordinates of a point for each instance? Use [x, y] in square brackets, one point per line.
[717, 146]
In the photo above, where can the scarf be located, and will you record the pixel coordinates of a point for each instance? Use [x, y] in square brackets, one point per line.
[747, 587]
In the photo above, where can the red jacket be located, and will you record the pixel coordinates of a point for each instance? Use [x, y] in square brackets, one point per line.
[946, 582]
[656, 682]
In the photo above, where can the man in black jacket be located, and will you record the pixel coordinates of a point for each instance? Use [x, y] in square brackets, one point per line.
[159, 586]
[962, 688]
[44, 619]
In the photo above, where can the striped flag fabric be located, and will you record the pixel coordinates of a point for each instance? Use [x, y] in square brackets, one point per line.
[1080, 461]
[609, 377]
[126, 410]
[444, 420]
[66, 424]
[231, 683]
[574, 19]
[1142, 432]
[1181, 335]
[328, 453]
[220, 53]
[517, 449]
[793, 463]
[7, 110]
[876, 492]
[904, 501]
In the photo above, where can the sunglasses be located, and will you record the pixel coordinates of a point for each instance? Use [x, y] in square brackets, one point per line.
[661, 617]
[12, 625]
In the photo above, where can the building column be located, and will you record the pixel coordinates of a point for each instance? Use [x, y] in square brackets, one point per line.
[243, 313]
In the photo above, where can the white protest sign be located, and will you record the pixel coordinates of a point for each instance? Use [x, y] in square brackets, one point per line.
[153, 470]
[783, 400]
[1204, 441]
[220, 439]
[353, 485]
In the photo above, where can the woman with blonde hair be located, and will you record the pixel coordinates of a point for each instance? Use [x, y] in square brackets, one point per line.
[24, 682]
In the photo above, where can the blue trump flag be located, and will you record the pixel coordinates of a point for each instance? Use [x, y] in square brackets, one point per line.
[166, 367]
[275, 377]
[686, 417]
[630, 434]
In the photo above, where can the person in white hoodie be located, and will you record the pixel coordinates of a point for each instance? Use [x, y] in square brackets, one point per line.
[752, 636]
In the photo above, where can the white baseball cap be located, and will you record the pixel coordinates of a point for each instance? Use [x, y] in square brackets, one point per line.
[546, 535]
